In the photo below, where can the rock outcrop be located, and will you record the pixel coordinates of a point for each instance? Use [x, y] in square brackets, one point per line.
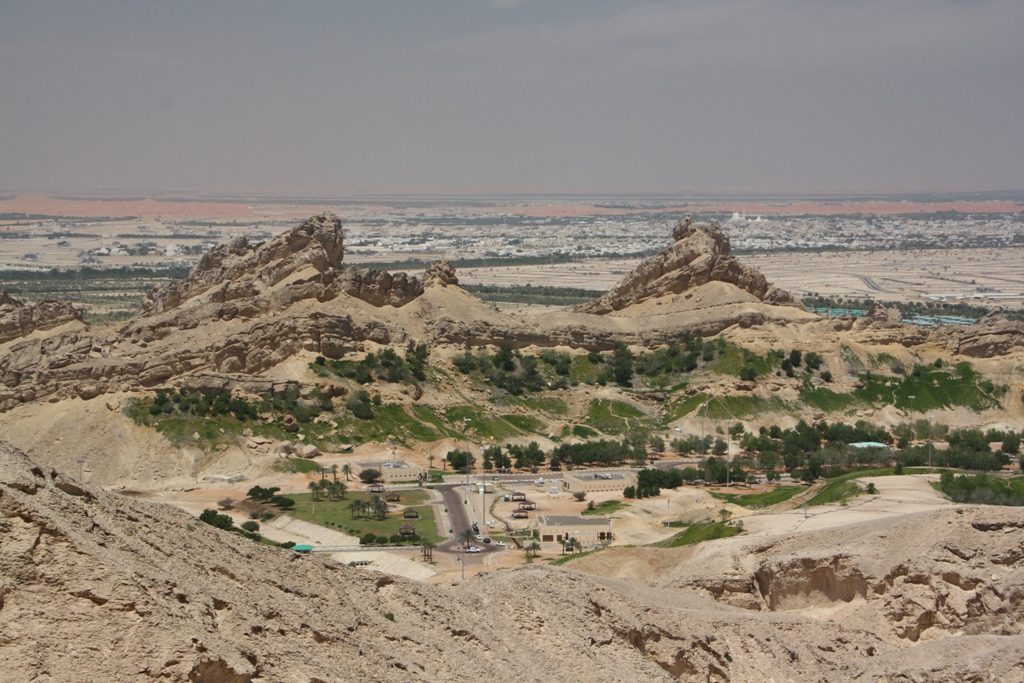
[241, 270]
[700, 254]
[96, 586]
[992, 335]
[18, 319]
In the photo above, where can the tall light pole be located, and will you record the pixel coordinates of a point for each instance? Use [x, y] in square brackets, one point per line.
[703, 450]
[465, 434]
[911, 415]
[931, 439]
[728, 448]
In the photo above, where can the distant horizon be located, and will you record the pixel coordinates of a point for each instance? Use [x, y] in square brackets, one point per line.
[185, 194]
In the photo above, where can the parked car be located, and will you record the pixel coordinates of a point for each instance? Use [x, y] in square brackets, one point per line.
[486, 540]
[472, 549]
[501, 544]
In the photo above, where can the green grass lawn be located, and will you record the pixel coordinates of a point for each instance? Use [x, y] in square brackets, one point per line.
[526, 423]
[827, 400]
[613, 417]
[605, 508]
[680, 408]
[698, 533]
[724, 407]
[337, 516]
[757, 501]
[836, 492]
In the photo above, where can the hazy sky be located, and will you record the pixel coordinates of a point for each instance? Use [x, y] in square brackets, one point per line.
[527, 96]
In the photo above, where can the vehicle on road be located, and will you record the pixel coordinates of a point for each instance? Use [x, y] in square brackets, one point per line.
[479, 537]
[486, 540]
[501, 544]
[472, 549]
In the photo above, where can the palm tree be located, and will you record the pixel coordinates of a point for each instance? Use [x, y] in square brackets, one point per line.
[575, 545]
[533, 548]
[341, 488]
[314, 488]
[346, 469]
[428, 550]
[356, 508]
[334, 471]
[467, 537]
[430, 461]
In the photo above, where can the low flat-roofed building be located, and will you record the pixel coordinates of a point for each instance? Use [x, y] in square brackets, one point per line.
[589, 530]
[595, 481]
[393, 470]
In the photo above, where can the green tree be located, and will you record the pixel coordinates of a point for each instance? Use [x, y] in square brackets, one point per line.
[368, 476]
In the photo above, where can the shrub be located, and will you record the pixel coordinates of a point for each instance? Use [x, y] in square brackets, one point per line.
[226, 503]
[629, 492]
[382, 540]
[367, 538]
[214, 518]
[251, 526]
[579, 495]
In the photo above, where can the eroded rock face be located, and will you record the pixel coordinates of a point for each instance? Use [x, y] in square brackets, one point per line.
[992, 335]
[243, 270]
[699, 255]
[18, 319]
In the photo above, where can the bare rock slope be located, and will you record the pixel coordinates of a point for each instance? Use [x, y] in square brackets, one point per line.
[700, 254]
[95, 586]
[19, 320]
[953, 575]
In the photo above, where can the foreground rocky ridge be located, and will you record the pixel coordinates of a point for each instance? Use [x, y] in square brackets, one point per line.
[96, 586]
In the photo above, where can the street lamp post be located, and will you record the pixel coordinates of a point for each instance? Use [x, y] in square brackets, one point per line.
[911, 415]
[931, 439]
[703, 449]
[728, 448]
[465, 433]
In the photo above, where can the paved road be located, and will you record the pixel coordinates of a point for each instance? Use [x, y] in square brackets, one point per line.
[452, 495]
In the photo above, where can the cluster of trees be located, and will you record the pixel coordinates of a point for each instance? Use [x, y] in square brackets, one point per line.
[512, 371]
[979, 488]
[249, 529]
[360, 404]
[374, 508]
[370, 538]
[269, 495]
[386, 366]
[679, 357]
[220, 403]
[528, 294]
[332, 490]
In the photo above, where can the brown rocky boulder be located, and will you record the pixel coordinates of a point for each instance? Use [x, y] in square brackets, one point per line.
[243, 270]
[700, 254]
[992, 335]
[18, 319]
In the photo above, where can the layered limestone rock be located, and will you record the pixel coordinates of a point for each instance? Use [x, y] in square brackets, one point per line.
[18, 319]
[241, 270]
[992, 335]
[700, 254]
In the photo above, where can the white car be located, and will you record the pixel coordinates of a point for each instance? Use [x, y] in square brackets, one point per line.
[479, 537]
[472, 549]
[501, 544]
